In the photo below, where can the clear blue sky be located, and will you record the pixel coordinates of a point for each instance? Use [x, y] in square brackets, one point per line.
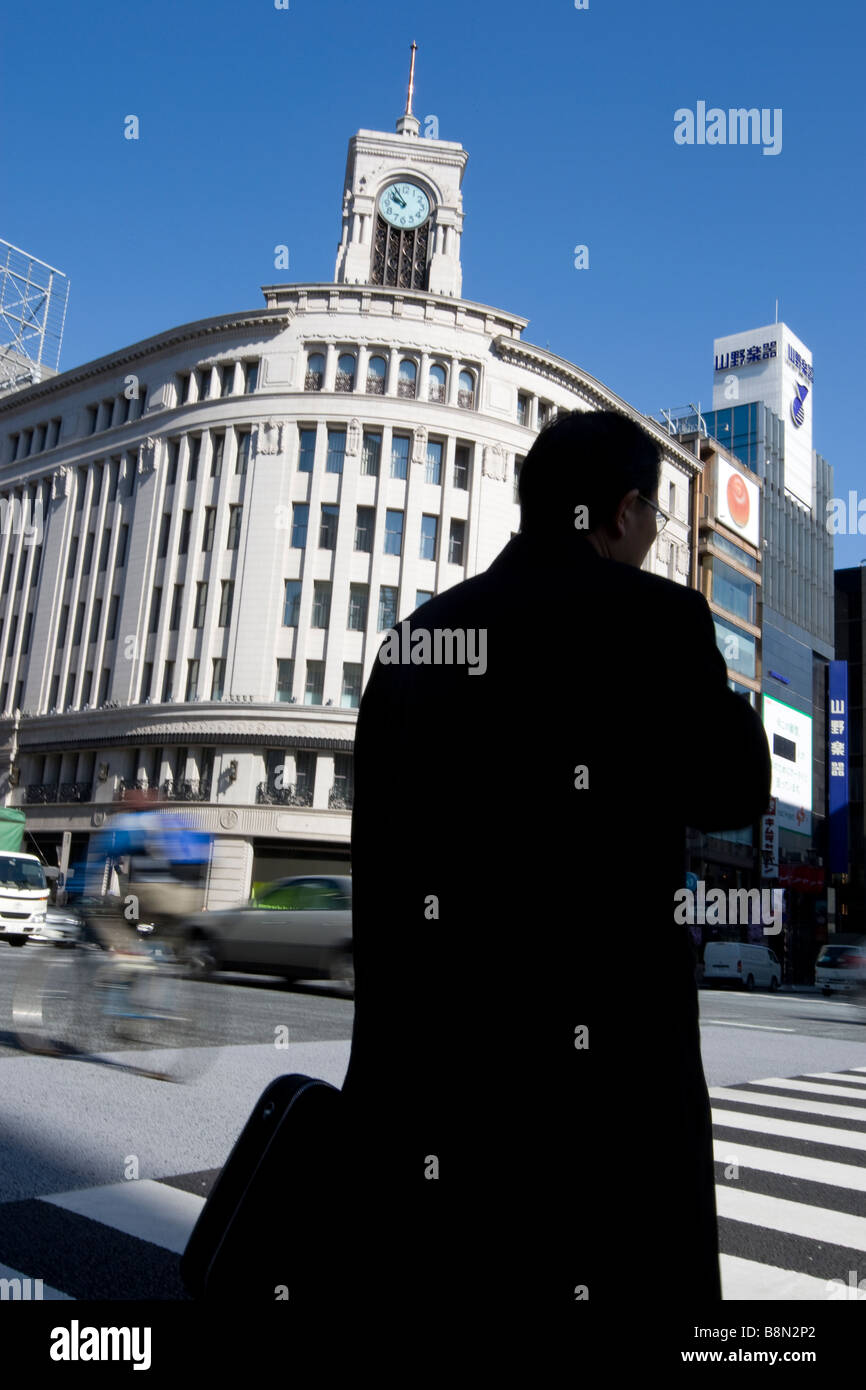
[568, 117]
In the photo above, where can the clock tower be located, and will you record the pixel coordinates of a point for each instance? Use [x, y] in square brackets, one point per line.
[403, 209]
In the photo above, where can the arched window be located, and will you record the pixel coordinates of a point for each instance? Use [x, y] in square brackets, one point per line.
[315, 372]
[408, 378]
[438, 379]
[346, 372]
[466, 391]
[376, 369]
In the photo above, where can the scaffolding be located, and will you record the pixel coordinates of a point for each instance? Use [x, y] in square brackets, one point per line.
[33, 300]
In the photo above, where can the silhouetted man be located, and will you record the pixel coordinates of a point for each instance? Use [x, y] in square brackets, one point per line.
[525, 1068]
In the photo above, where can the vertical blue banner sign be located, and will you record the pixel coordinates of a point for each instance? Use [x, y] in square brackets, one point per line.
[837, 765]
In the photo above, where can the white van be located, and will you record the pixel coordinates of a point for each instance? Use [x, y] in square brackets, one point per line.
[743, 963]
[23, 897]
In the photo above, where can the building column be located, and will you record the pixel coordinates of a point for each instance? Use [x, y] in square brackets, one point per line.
[324, 781]
[329, 384]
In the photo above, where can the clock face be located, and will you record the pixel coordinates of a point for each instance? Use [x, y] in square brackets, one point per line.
[404, 205]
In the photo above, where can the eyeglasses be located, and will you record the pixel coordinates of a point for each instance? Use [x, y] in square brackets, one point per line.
[662, 517]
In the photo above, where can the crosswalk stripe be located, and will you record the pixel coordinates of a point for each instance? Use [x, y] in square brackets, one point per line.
[748, 1281]
[838, 1076]
[791, 1165]
[150, 1210]
[790, 1129]
[794, 1218]
[817, 1088]
[838, 1112]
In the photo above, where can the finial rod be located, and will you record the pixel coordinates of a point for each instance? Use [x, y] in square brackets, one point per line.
[408, 111]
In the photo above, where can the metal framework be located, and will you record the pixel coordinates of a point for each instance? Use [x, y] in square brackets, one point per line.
[33, 301]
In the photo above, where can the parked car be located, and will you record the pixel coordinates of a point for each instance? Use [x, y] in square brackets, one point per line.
[300, 928]
[842, 966]
[739, 962]
[23, 897]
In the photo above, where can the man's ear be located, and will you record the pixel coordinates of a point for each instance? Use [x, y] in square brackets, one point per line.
[619, 520]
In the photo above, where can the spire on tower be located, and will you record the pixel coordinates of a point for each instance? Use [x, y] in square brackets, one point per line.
[409, 124]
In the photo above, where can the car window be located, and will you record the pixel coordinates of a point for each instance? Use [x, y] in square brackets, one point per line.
[306, 895]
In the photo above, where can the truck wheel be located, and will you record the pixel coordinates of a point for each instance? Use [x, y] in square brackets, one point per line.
[750, 983]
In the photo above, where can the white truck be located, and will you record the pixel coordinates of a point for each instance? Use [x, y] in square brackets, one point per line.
[23, 897]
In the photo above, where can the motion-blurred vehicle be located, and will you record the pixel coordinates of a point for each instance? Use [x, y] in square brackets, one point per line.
[300, 928]
[23, 897]
[740, 963]
[62, 927]
[842, 966]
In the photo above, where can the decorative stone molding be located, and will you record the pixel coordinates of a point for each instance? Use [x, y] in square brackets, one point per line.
[147, 456]
[228, 819]
[494, 462]
[419, 444]
[60, 481]
[98, 818]
[270, 437]
[353, 438]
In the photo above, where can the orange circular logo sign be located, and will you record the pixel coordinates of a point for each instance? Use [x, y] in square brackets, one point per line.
[738, 499]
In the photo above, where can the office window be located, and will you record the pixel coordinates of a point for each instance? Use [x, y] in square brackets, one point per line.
[194, 456]
[372, 454]
[218, 444]
[113, 610]
[96, 619]
[429, 532]
[364, 522]
[86, 688]
[737, 647]
[121, 547]
[64, 625]
[243, 458]
[54, 434]
[456, 541]
[300, 519]
[350, 697]
[393, 532]
[407, 379]
[183, 539]
[400, 455]
[226, 597]
[345, 372]
[79, 625]
[203, 379]
[336, 451]
[156, 602]
[147, 681]
[37, 562]
[183, 388]
[113, 477]
[466, 391]
[19, 582]
[522, 409]
[321, 603]
[315, 377]
[103, 551]
[328, 526]
[433, 473]
[97, 485]
[168, 681]
[387, 606]
[315, 683]
[191, 679]
[55, 691]
[227, 379]
[25, 640]
[11, 560]
[165, 525]
[88, 556]
[734, 591]
[251, 377]
[200, 605]
[142, 402]
[422, 595]
[376, 370]
[103, 686]
[292, 603]
[285, 676]
[217, 678]
[176, 603]
[437, 386]
[307, 451]
[358, 602]
[518, 464]
[544, 413]
[173, 456]
[461, 467]
[70, 689]
[208, 529]
[92, 418]
[234, 527]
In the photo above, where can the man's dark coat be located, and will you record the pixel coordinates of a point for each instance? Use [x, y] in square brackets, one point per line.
[506, 1156]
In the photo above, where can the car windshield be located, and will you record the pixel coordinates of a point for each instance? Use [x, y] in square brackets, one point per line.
[833, 953]
[17, 874]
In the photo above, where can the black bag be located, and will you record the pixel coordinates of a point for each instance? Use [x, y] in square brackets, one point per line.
[267, 1230]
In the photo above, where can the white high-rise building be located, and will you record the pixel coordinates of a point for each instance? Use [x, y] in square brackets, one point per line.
[224, 519]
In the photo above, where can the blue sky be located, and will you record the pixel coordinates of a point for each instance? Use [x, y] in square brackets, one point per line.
[568, 116]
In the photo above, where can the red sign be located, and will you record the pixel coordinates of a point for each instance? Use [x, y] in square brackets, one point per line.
[804, 877]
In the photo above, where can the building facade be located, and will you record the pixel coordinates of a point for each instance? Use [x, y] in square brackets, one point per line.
[225, 519]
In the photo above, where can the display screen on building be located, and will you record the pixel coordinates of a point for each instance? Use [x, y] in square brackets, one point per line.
[789, 734]
[738, 503]
[837, 765]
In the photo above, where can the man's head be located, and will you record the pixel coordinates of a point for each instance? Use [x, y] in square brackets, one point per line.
[600, 461]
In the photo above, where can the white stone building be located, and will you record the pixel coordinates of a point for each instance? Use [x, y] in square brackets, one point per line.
[224, 518]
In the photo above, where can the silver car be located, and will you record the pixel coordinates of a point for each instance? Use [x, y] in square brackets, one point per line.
[300, 928]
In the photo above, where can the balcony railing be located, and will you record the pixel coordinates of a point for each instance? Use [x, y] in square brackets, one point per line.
[137, 790]
[406, 389]
[466, 400]
[345, 381]
[375, 384]
[436, 392]
[45, 793]
[313, 381]
[183, 790]
[340, 798]
[269, 795]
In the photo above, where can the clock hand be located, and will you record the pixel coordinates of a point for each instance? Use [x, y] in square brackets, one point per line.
[395, 194]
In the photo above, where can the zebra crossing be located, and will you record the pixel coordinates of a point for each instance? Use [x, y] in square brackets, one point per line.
[790, 1164]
